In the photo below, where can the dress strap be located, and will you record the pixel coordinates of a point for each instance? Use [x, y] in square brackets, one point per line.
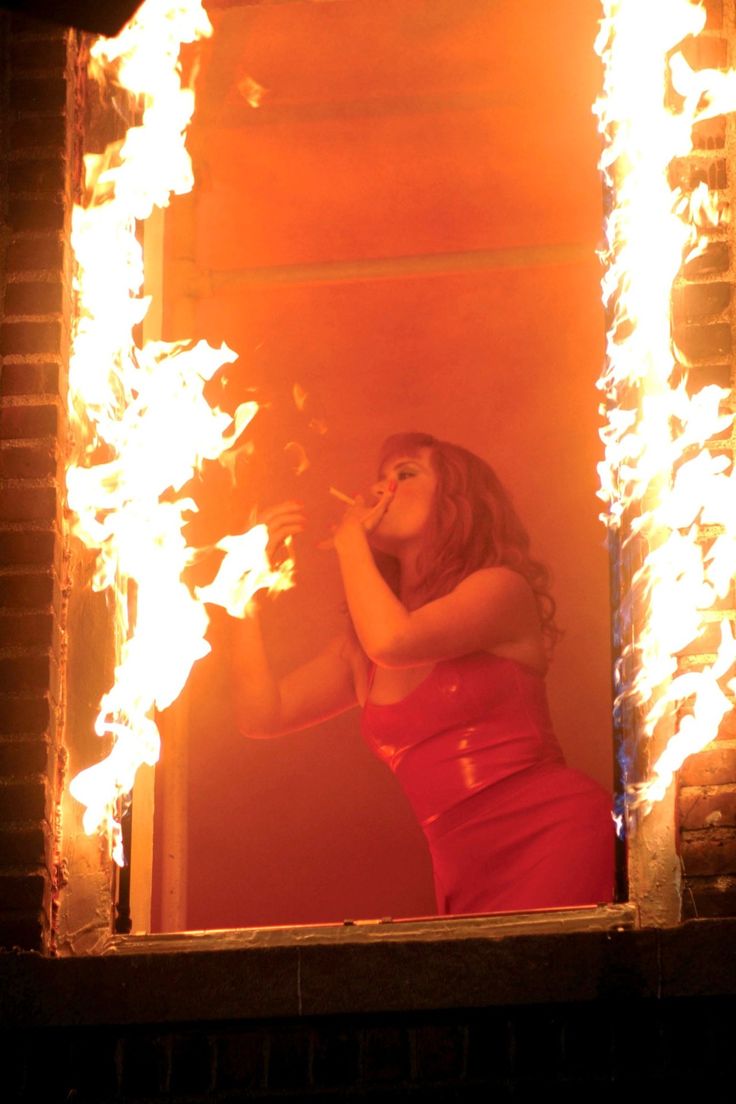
[371, 676]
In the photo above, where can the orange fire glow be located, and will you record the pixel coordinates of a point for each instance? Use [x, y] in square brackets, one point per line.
[141, 425]
[659, 469]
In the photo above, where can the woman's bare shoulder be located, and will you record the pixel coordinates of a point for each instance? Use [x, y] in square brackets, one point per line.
[497, 581]
[502, 586]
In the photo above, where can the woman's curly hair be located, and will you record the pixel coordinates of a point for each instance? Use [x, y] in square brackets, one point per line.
[473, 524]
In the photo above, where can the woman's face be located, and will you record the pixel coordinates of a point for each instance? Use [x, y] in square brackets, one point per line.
[409, 511]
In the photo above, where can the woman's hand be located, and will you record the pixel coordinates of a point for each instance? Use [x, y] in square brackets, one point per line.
[282, 521]
[363, 518]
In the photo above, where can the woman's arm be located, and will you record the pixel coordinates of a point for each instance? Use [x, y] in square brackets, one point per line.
[313, 692]
[490, 608]
[319, 689]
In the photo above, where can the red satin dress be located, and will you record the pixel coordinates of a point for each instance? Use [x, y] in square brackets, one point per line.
[509, 825]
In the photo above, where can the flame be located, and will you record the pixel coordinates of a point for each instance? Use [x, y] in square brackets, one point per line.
[297, 455]
[251, 91]
[658, 468]
[299, 395]
[244, 570]
[618, 822]
[141, 424]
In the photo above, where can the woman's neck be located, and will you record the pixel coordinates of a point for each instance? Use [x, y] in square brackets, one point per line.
[409, 579]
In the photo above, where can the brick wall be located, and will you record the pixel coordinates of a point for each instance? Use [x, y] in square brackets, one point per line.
[400, 1016]
[38, 114]
[459, 1056]
[703, 313]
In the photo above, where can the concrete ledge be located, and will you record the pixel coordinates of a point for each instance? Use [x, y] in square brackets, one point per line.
[292, 973]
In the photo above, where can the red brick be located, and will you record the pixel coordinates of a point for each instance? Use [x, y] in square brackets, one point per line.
[28, 931]
[40, 547]
[30, 379]
[714, 11]
[715, 257]
[44, 131]
[709, 897]
[30, 337]
[709, 851]
[241, 1060]
[37, 174]
[19, 758]
[710, 134]
[706, 52]
[707, 375]
[727, 731]
[28, 503]
[693, 302]
[707, 806]
[439, 1052]
[33, 420]
[43, 93]
[703, 342]
[27, 591]
[42, 253]
[33, 298]
[48, 54]
[690, 173]
[45, 213]
[724, 605]
[29, 716]
[385, 1054]
[28, 629]
[25, 892]
[718, 175]
[29, 672]
[714, 766]
[28, 462]
[29, 846]
[24, 801]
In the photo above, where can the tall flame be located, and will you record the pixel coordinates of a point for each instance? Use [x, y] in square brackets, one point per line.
[141, 424]
[658, 468]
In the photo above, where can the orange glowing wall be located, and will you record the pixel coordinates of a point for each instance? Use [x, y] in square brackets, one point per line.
[406, 226]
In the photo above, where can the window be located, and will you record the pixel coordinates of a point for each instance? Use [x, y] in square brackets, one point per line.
[401, 233]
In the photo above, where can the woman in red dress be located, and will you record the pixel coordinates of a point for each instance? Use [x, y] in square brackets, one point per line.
[446, 653]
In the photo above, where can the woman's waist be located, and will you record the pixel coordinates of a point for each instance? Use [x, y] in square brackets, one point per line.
[502, 744]
[525, 792]
[434, 784]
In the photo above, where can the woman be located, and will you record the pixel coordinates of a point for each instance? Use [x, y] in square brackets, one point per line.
[446, 653]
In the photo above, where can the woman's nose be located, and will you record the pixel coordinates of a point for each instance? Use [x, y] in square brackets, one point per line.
[383, 486]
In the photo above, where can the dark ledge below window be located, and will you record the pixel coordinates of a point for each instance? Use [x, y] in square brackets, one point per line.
[372, 967]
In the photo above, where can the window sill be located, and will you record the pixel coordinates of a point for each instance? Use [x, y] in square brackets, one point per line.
[371, 968]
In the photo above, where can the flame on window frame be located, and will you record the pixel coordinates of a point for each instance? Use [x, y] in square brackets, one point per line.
[140, 423]
[668, 486]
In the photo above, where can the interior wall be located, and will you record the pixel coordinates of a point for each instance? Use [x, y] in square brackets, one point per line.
[397, 209]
